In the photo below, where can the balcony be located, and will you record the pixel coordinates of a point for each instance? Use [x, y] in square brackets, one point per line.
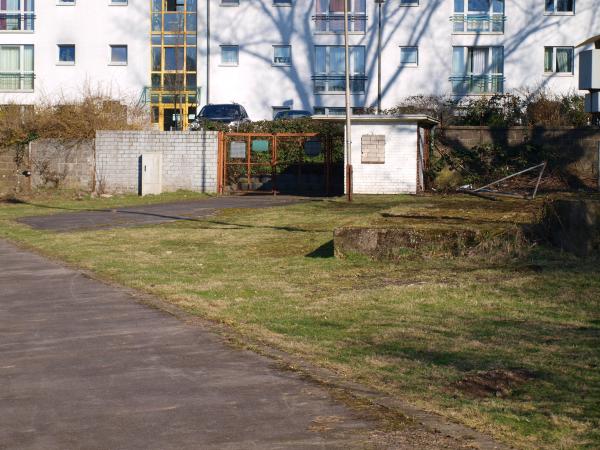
[334, 23]
[333, 84]
[15, 82]
[17, 22]
[478, 23]
[477, 84]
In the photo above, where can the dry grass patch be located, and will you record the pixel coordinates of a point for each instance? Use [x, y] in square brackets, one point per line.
[414, 329]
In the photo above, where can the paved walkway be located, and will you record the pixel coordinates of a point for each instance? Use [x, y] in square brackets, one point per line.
[151, 214]
[83, 365]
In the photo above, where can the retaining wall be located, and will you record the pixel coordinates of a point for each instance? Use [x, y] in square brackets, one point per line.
[12, 163]
[580, 146]
[189, 159]
[62, 164]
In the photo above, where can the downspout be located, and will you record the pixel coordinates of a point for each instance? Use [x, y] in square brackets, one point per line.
[208, 51]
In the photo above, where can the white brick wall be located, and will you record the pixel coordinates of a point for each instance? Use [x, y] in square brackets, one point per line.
[398, 175]
[189, 159]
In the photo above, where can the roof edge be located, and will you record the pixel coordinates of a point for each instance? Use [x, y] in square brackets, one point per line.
[401, 118]
[592, 40]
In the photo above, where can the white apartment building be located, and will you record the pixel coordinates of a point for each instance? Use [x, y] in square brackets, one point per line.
[268, 55]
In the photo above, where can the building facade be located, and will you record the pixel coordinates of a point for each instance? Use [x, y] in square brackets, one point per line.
[272, 55]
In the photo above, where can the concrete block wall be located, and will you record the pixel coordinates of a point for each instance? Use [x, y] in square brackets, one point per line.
[189, 159]
[13, 161]
[398, 174]
[60, 164]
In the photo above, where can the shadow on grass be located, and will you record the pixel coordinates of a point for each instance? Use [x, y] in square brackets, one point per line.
[324, 251]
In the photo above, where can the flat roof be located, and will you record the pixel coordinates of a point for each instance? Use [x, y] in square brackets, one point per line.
[593, 40]
[401, 118]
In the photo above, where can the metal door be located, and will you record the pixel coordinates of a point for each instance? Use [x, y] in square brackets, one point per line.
[151, 173]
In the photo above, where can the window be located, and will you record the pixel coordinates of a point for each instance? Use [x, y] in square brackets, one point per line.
[66, 54]
[372, 149]
[229, 55]
[118, 2]
[478, 16]
[17, 15]
[560, 6]
[330, 69]
[409, 56]
[329, 16]
[282, 55]
[230, 2]
[16, 68]
[65, 2]
[282, 2]
[118, 55]
[409, 2]
[477, 70]
[173, 86]
[174, 5]
[559, 60]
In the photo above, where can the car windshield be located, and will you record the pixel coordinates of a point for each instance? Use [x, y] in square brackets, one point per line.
[220, 111]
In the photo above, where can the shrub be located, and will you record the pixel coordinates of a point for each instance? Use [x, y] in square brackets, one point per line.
[538, 108]
[69, 120]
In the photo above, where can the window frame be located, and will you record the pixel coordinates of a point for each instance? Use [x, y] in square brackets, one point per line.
[25, 17]
[66, 63]
[328, 74]
[467, 75]
[554, 71]
[554, 12]
[118, 63]
[328, 17]
[22, 73]
[404, 64]
[224, 64]
[282, 64]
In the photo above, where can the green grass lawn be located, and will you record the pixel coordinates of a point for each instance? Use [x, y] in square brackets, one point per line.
[508, 346]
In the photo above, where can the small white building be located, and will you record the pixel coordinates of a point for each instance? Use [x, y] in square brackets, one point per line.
[388, 153]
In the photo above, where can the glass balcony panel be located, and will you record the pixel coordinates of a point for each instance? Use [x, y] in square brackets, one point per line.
[334, 23]
[458, 23]
[477, 84]
[16, 81]
[478, 23]
[337, 83]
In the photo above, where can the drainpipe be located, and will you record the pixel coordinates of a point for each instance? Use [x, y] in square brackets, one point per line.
[208, 51]
[379, 5]
[348, 140]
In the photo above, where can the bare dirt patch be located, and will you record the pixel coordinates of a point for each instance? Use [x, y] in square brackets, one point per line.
[493, 383]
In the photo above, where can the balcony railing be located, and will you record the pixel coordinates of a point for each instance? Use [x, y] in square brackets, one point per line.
[477, 84]
[337, 83]
[170, 94]
[16, 82]
[17, 22]
[334, 23]
[478, 23]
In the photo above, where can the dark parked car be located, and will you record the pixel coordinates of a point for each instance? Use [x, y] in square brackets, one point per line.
[229, 113]
[292, 114]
